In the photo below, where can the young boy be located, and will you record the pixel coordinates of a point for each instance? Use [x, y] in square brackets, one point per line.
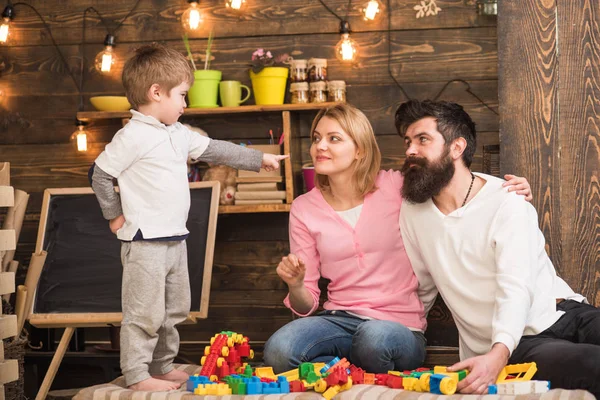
[148, 158]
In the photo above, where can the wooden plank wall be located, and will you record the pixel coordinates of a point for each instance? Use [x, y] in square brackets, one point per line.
[549, 91]
[40, 101]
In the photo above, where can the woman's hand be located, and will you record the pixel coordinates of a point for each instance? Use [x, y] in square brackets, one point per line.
[518, 184]
[292, 270]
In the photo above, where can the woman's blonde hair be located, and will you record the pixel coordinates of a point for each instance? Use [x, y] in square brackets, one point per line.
[354, 123]
[154, 63]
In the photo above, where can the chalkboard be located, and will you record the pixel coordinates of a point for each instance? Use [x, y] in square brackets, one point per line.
[80, 282]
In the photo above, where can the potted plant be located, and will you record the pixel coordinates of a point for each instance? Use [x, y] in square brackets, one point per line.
[205, 90]
[269, 77]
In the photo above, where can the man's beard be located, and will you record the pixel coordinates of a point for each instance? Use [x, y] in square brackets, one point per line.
[426, 179]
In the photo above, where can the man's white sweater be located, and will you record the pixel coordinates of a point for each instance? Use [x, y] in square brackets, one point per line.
[488, 262]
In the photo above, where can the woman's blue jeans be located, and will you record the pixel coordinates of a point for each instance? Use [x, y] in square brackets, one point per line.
[375, 346]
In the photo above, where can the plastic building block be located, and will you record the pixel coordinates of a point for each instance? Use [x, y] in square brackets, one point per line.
[357, 374]
[284, 385]
[517, 373]
[333, 390]
[247, 371]
[294, 374]
[369, 379]
[219, 389]
[459, 375]
[442, 384]
[381, 379]
[196, 380]
[307, 372]
[264, 372]
[253, 385]
[342, 363]
[329, 365]
[236, 383]
[411, 383]
[297, 386]
[394, 382]
[337, 376]
[520, 387]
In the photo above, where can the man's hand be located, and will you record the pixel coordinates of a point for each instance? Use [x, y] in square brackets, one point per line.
[483, 370]
[270, 162]
[116, 223]
[292, 270]
[518, 184]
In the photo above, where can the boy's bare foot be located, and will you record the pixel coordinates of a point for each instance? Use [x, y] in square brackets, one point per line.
[155, 385]
[173, 376]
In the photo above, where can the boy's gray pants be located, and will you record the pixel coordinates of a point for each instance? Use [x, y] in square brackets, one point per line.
[155, 297]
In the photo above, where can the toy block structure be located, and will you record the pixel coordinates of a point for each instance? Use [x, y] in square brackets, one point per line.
[519, 387]
[9, 369]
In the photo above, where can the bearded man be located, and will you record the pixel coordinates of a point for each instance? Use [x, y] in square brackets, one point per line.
[480, 246]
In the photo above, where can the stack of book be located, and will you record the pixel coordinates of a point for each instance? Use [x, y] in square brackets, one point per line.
[259, 193]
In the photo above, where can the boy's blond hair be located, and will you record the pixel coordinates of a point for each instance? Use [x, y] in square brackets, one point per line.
[154, 63]
[357, 126]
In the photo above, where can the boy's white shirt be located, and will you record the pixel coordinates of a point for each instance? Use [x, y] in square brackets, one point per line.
[489, 263]
[149, 159]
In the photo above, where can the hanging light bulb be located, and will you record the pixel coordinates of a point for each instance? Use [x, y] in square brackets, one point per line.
[106, 58]
[192, 18]
[7, 15]
[347, 49]
[235, 4]
[371, 9]
[79, 137]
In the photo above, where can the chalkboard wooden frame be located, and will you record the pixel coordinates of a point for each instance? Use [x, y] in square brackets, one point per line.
[114, 318]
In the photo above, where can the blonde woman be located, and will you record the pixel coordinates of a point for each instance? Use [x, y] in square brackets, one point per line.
[346, 230]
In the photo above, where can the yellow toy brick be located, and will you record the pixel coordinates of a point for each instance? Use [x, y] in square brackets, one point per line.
[331, 392]
[411, 383]
[520, 372]
[266, 372]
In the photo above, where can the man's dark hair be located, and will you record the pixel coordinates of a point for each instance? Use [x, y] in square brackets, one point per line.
[452, 121]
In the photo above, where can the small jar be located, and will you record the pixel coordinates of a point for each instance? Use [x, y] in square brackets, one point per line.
[298, 70]
[317, 69]
[299, 91]
[336, 91]
[318, 92]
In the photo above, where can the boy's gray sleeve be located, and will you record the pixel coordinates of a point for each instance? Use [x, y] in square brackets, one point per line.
[233, 155]
[110, 201]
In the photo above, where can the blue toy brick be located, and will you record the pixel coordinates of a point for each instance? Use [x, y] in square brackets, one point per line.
[194, 381]
[330, 364]
[270, 388]
[492, 389]
[284, 384]
[253, 385]
[434, 383]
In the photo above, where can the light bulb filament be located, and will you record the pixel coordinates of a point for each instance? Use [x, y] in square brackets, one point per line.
[106, 62]
[194, 18]
[4, 31]
[81, 141]
[371, 10]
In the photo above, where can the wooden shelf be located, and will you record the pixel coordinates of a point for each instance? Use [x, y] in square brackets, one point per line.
[254, 208]
[96, 115]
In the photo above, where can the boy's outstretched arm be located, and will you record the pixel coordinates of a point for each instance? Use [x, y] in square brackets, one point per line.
[236, 156]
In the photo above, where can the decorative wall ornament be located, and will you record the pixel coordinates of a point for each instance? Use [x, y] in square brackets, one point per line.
[426, 8]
